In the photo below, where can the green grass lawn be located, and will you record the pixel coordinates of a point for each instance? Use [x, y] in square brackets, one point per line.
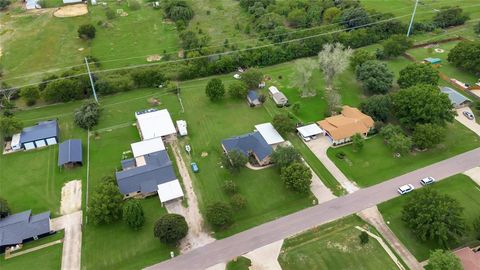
[334, 246]
[46, 258]
[376, 163]
[206, 130]
[241, 263]
[460, 187]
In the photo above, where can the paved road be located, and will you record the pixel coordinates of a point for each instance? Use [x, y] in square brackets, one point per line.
[236, 245]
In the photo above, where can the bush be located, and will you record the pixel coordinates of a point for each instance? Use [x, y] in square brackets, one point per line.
[340, 155]
[148, 77]
[449, 16]
[170, 228]
[283, 124]
[237, 90]
[114, 84]
[178, 10]
[363, 238]
[4, 4]
[297, 177]
[215, 89]
[252, 78]
[63, 90]
[230, 187]
[234, 160]
[86, 31]
[134, 5]
[262, 98]
[219, 215]
[106, 202]
[4, 208]
[443, 260]
[238, 202]
[133, 214]
[396, 45]
[87, 116]
[30, 94]
[283, 156]
[110, 14]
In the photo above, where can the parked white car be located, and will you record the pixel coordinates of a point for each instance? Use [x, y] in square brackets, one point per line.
[427, 181]
[405, 189]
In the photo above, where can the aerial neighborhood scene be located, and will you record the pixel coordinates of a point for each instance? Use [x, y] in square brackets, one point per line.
[240, 134]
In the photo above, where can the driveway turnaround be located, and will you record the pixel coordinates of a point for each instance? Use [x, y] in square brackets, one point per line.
[241, 243]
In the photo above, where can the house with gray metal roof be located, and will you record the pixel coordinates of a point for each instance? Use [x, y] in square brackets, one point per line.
[252, 98]
[141, 176]
[42, 134]
[70, 153]
[21, 227]
[250, 144]
[458, 100]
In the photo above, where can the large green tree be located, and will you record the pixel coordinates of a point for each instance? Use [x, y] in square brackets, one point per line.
[418, 74]
[234, 160]
[283, 124]
[444, 260]
[297, 177]
[399, 143]
[285, 155]
[428, 135]
[422, 104]
[355, 17]
[178, 10]
[252, 77]
[434, 216]
[10, 126]
[133, 215]
[106, 202]
[215, 89]
[359, 57]
[63, 90]
[170, 228]
[375, 76]
[86, 31]
[219, 215]
[377, 106]
[30, 94]
[449, 16]
[238, 90]
[466, 55]
[87, 115]
[396, 45]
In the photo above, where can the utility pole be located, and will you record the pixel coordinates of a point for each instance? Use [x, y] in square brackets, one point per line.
[411, 20]
[91, 80]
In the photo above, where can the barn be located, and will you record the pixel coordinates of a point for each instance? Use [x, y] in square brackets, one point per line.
[42, 134]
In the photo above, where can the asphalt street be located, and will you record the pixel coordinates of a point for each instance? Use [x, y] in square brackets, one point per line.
[236, 245]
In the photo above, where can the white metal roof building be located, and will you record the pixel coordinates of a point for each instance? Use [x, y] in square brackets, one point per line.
[273, 90]
[146, 147]
[269, 133]
[169, 191]
[182, 127]
[310, 130]
[153, 123]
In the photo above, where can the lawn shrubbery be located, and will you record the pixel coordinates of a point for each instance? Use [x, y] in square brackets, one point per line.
[219, 215]
[170, 228]
[133, 215]
[106, 202]
[87, 116]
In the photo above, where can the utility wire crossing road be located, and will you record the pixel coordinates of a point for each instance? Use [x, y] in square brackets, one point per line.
[236, 245]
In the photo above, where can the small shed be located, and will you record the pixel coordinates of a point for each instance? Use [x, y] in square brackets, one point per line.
[70, 153]
[433, 61]
[252, 99]
[280, 99]
[182, 127]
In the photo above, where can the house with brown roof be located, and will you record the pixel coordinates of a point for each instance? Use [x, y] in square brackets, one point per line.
[340, 128]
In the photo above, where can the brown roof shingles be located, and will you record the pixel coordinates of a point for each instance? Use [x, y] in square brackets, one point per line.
[347, 124]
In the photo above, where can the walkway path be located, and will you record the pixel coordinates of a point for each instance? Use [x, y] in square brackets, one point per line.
[319, 147]
[281, 228]
[385, 247]
[196, 236]
[11, 255]
[373, 216]
[470, 124]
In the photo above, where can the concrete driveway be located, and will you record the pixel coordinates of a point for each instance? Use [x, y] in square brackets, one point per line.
[470, 124]
[319, 147]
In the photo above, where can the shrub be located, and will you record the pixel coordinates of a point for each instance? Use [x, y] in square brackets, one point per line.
[63, 91]
[148, 77]
[238, 202]
[114, 84]
[4, 4]
[30, 94]
[133, 214]
[283, 124]
[219, 215]
[230, 187]
[134, 5]
[106, 202]
[170, 228]
[87, 116]
[234, 160]
[178, 10]
[363, 238]
[262, 98]
[340, 155]
[252, 78]
[238, 90]
[4, 208]
[215, 89]
[86, 31]
[110, 14]
[297, 177]
[285, 155]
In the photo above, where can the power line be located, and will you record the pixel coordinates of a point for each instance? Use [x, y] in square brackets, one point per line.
[213, 46]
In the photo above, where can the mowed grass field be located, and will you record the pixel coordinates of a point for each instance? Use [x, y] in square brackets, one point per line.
[376, 163]
[460, 187]
[47, 258]
[209, 123]
[334, 246]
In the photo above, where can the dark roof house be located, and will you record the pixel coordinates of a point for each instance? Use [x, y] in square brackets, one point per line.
[41, 131]
[252, 98]
[16, 228]
[143, 174]
[250, 143]
[457, 99]
[70, 152]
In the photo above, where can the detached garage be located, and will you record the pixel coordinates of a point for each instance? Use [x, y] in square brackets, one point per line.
[43, 134]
